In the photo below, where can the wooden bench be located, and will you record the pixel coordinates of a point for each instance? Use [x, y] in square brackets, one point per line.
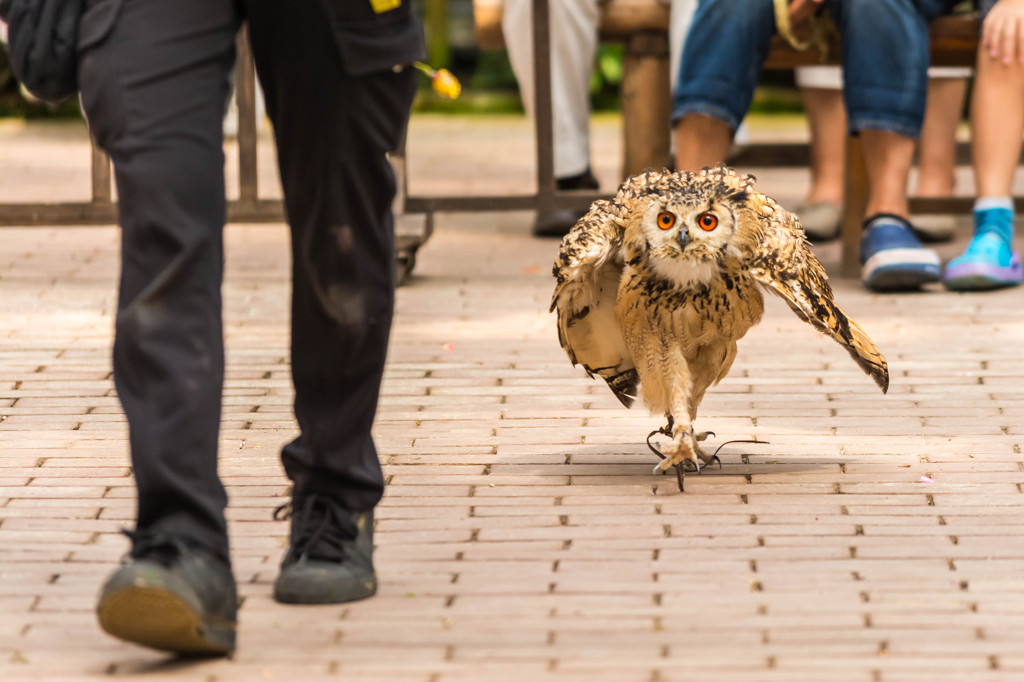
[646, 97]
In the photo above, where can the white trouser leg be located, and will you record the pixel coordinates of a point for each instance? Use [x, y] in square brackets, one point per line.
[573, 44]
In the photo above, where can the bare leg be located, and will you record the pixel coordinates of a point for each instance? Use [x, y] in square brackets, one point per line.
[826, 117]
[997, 118]
[888, 157]
[937, 157]
[893, 259]
[701, 141]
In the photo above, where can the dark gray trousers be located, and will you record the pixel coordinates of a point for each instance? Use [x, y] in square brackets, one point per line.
[155, 79]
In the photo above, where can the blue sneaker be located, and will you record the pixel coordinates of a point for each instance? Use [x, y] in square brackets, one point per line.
[893, 258]
[989, 261]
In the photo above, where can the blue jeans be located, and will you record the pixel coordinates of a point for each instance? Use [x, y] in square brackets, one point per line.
[884, 55]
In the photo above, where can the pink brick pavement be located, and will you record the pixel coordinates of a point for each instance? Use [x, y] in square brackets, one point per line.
[522, 535]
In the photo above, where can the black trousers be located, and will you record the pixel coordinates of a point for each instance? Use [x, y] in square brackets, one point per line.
[155, 80]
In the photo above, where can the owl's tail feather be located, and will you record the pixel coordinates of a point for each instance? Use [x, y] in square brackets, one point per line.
[860, 347]
[813, 303]
[624, 386]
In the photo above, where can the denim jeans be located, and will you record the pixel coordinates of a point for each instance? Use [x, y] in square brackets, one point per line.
[884, 55]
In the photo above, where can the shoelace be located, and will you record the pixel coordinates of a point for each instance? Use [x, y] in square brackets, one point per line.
[322, 526]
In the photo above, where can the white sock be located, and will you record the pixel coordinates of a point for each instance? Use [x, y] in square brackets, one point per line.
[985, 203]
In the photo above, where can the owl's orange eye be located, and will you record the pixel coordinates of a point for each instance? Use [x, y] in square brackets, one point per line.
[707, 221]
[666, 220]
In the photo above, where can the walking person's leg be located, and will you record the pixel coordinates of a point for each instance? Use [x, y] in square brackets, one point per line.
[154, 81]
[338, 103]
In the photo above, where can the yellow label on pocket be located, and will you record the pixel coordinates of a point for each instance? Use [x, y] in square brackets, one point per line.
[381, 6]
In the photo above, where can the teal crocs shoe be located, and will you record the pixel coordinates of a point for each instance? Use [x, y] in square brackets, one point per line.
[989, 261]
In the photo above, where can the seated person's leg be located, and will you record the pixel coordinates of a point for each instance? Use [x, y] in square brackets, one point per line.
[721, 63]
[821, 88]
[997, 119]
[936, 168]
[885, 64]
[936, 160]
[573, 29]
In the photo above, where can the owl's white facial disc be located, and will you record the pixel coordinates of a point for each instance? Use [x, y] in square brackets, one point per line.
[686, 242]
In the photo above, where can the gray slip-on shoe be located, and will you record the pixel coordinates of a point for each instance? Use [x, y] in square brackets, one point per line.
[821, 220]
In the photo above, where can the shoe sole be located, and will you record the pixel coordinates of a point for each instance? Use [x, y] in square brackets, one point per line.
[901, 269]
[978, 283]
[982, 276]
[308, 595]
[156, 618]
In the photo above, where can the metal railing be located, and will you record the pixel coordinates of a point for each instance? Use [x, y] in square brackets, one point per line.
[102, 210]
[249, 208]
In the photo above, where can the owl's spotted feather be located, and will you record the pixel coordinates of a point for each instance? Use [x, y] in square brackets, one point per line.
[651, 292]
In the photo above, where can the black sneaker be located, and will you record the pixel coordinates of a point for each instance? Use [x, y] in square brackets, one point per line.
[330, 559]
[171, 596]
[557, 223]
[584, 180]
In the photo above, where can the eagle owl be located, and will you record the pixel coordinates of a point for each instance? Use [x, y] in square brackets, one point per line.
[656, 286]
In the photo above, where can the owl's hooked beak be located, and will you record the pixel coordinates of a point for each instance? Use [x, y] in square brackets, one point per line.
[683, 238]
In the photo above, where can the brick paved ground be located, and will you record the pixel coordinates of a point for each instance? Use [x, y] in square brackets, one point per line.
[522, 535]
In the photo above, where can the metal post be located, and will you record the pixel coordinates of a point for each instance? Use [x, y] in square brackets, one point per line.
[543, 108]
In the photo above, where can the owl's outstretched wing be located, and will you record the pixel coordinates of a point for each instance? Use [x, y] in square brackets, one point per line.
[588, 271]
[780, 259]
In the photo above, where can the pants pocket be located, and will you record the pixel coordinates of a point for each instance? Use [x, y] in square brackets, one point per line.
[97, 22]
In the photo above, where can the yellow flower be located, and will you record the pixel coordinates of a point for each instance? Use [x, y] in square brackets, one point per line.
[443, 81]
[446, 84]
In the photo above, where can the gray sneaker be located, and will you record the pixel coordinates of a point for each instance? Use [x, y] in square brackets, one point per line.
[330, 559]
[821, 220]
[171, 596]
[936, 227]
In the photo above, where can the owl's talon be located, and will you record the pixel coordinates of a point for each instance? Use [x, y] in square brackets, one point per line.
[679, 477]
